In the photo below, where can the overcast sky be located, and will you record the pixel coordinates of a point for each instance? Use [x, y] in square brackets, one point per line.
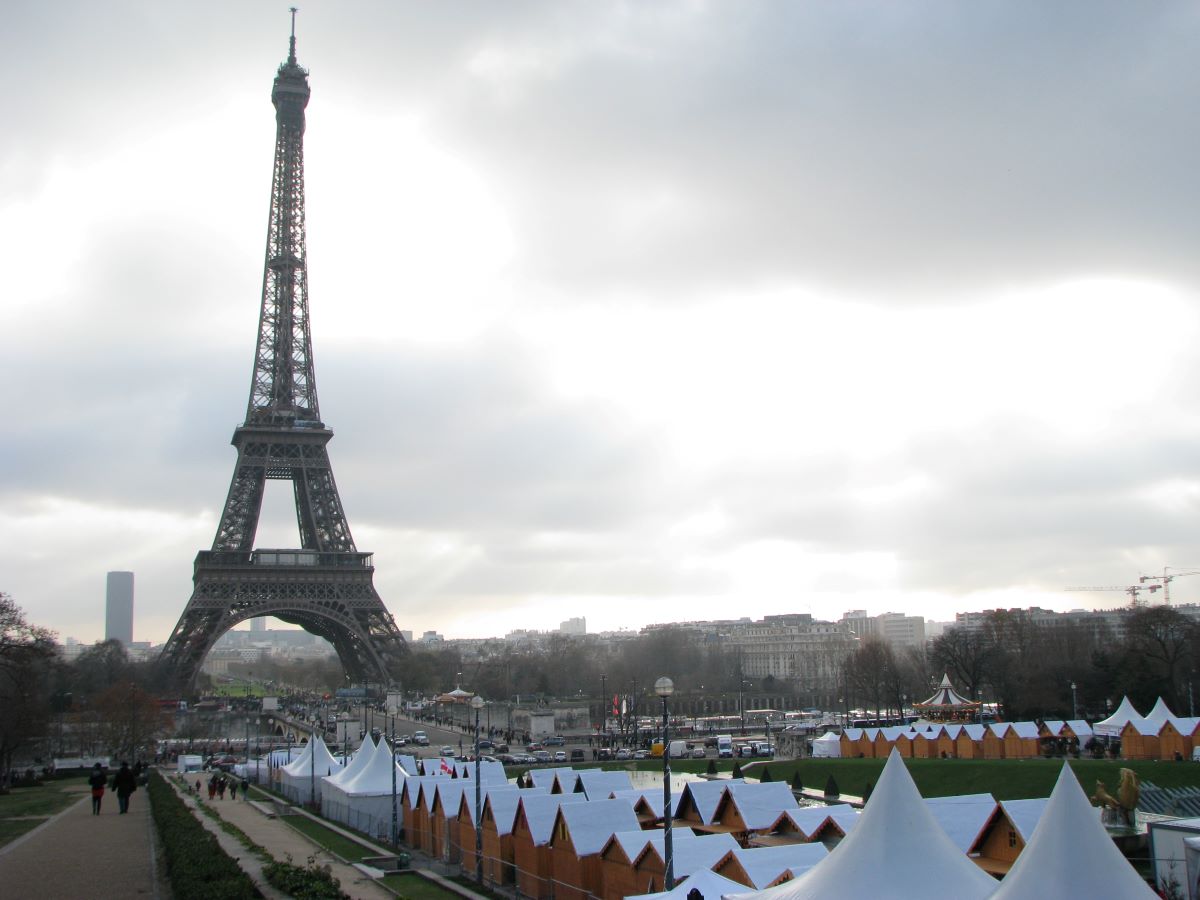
[634, 311]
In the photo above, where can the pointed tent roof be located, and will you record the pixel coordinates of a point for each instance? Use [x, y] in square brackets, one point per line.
[1071, 855]
[897, 850]
[324, 763]
[1113, 724]
[1161, 714]
[357, 762]
[375, 777]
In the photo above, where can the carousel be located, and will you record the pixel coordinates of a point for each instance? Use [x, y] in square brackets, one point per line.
[947, 705]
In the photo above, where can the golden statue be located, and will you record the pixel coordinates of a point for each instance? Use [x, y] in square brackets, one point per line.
[1126, 800]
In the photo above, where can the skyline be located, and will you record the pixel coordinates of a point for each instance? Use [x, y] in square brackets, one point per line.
[637, 313]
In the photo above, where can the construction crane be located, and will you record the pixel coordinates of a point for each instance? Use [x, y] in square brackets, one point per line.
[1166, 578]
[1132, 590]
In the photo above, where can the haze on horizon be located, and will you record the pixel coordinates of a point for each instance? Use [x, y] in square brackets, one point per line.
[638, 312]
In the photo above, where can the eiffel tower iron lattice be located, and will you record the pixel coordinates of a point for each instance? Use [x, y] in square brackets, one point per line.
[326, 586]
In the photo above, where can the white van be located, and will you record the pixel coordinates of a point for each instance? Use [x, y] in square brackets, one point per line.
[679, 750]
[725, 746]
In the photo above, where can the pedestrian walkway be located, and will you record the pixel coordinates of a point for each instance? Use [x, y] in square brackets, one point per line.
[281, 841]
[78, 856]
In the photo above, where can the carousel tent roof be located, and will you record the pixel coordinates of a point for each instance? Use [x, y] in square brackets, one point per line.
[1071, 855]
[1113, 724]
[946, 697]
[897, 850]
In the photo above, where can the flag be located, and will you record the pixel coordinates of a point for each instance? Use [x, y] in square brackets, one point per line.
[446, 767]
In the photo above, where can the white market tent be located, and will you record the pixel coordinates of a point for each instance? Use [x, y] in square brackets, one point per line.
[367, 796]
[1111, 727]
[827, 746]
[333, 798]
[897, 850]
[1071, 856]
[300, 778]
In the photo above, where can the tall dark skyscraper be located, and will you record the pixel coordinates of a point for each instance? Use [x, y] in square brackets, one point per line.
[118, 607]
[326, 585]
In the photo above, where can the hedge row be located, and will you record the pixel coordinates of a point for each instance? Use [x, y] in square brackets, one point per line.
[197, 866]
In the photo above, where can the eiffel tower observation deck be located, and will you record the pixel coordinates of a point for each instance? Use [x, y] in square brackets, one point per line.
[326, 584]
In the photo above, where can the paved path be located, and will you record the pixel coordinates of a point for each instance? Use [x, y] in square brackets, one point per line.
[281, 840]
[78, 855]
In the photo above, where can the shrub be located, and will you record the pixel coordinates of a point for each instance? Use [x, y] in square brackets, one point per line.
[311, 882]
[797, 784]
[737, 770]
[197, 866]
[831, 787]
[867, 792]
[766, 775]
[712, 767]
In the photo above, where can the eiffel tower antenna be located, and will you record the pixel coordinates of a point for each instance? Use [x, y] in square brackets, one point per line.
[326, 585]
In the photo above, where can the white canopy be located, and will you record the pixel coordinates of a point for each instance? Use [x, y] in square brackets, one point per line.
[897, 851]
[1071, 855]
[710, 885]
[356, 763]
[1113, 724]
[300, 778]
[827, 745]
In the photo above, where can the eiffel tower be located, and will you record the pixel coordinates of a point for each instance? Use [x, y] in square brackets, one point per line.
[325, 586]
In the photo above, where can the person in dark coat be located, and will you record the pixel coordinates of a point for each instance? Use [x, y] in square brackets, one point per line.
[97, 782]
[124, 783]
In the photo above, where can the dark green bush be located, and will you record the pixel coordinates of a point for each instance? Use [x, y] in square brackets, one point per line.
[197, 866]
[831, 787]
[797, 783]
[308, 883]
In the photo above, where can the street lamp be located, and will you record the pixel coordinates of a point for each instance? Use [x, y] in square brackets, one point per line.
[477, 705]
[1074, 704]
[392, 748]
[604, 704]
[664, 687]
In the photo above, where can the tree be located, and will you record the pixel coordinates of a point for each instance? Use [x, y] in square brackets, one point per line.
[132, 720]
[26, 658]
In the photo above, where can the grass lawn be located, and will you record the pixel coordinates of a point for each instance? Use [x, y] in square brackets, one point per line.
[23, 809]
[330, 840]
[414, 887]
[1004, 779]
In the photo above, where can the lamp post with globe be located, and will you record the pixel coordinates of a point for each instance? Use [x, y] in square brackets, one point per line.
[664, 687]
[477, 705]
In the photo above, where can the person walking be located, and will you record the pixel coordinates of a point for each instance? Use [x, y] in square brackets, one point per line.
[232, 789]
[124, 783]
[97, 783]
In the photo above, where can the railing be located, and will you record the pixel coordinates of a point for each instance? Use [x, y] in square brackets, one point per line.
[312, 558]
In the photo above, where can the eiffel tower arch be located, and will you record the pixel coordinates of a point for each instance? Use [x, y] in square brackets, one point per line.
[326, 585]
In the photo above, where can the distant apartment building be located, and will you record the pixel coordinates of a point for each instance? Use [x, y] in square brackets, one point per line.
[576, 625]
[118, 607]
[897, 629]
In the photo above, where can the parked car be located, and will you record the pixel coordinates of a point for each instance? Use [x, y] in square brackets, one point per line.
[641, 754]
[485, 744]
[534, 746]
[604, 753]
[577, 755]
[745, 750]
[698, 752]
[542, 756]
[446, 750]
[507, 759]
[555, 740]
[623, 753]
[420, 738]
[560, 755]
